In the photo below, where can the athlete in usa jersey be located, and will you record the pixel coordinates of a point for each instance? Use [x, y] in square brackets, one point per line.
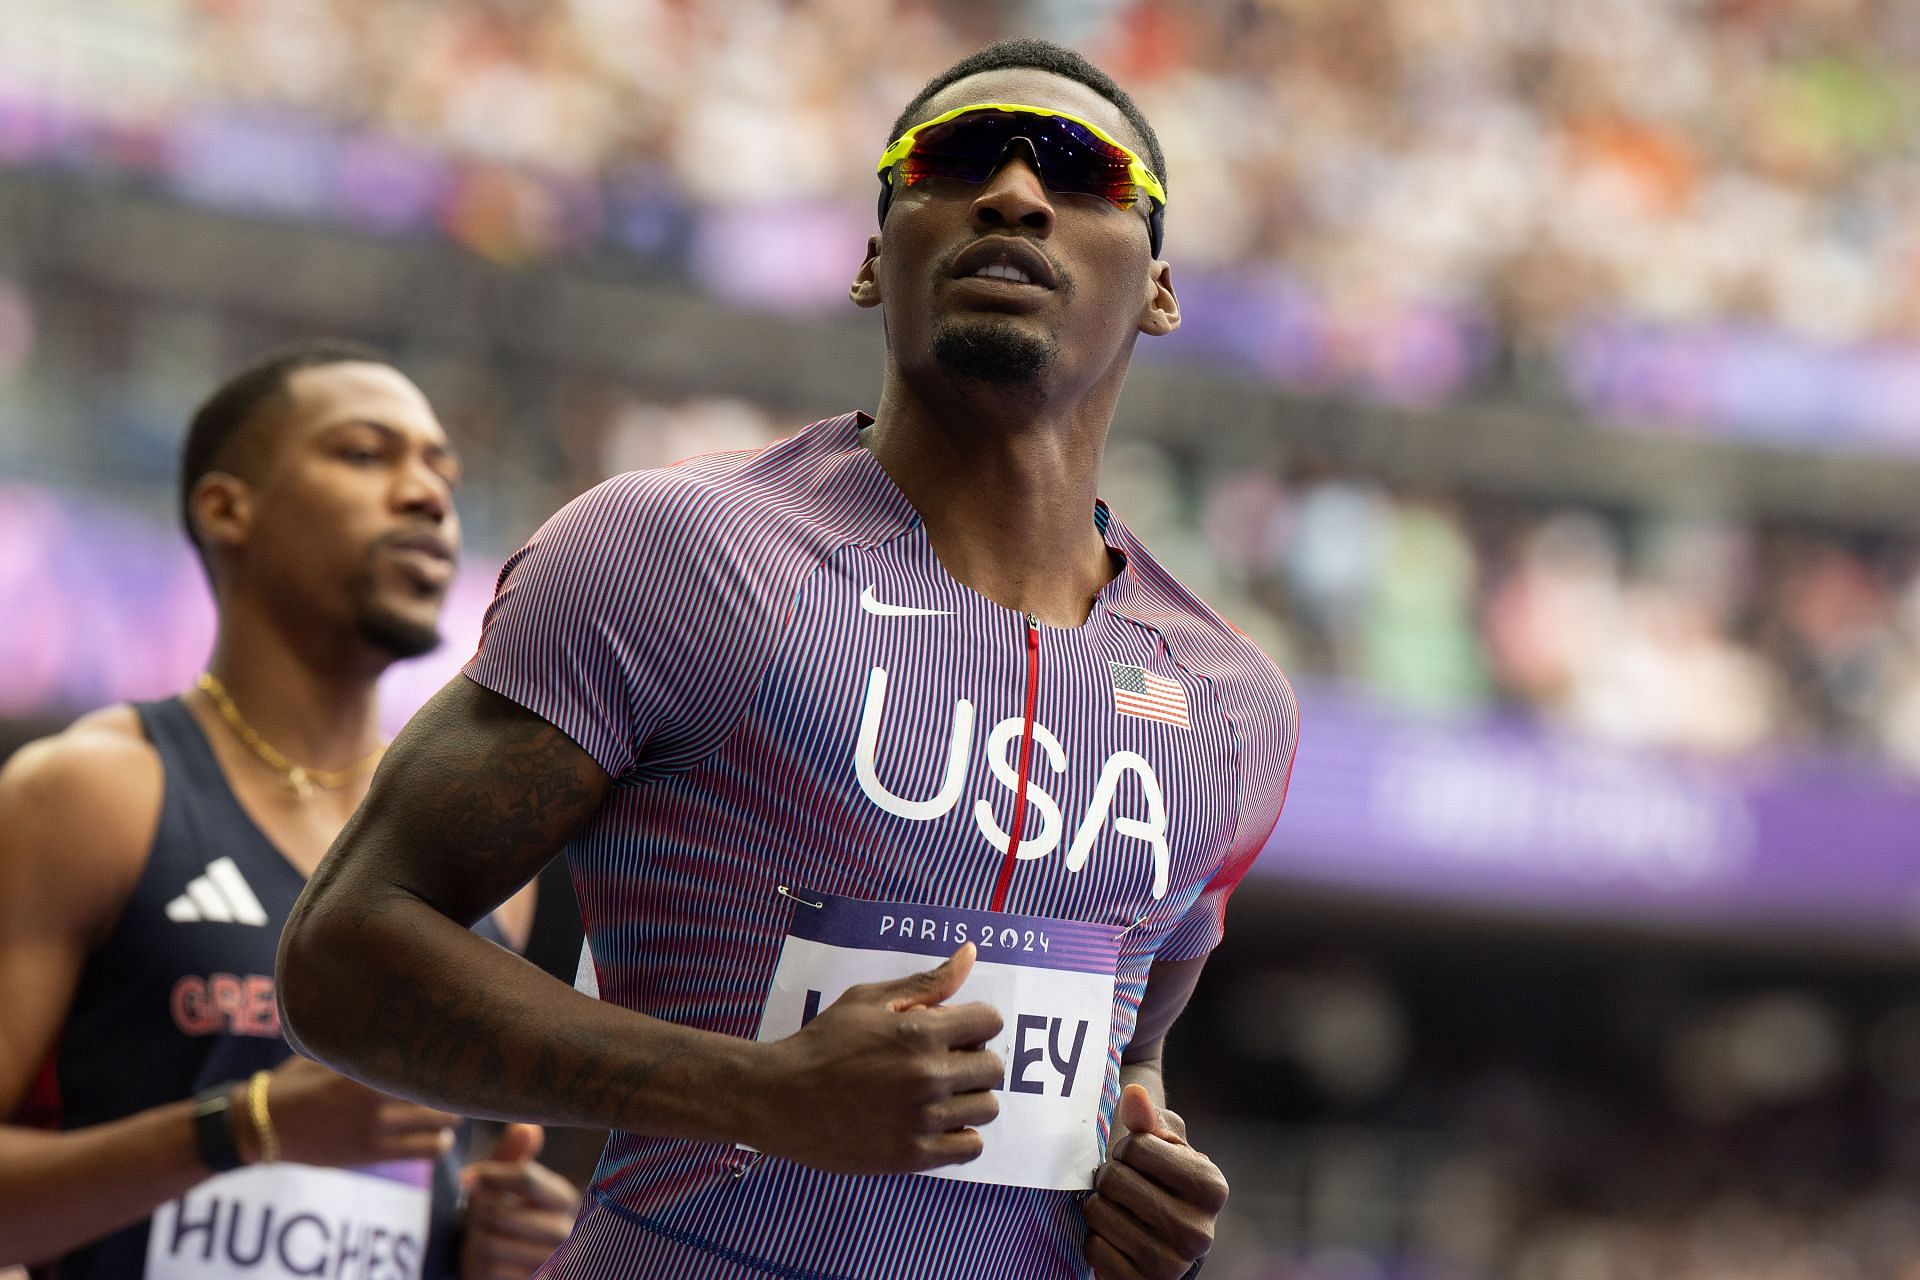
[908, 662]
[858, 730]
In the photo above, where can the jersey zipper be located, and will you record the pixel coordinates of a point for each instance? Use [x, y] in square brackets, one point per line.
[1005, 881]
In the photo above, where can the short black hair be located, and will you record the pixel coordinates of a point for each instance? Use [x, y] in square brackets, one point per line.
[224, 415]
[1039, 55]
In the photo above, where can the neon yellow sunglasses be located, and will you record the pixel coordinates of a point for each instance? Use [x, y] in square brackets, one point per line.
[1072, 154]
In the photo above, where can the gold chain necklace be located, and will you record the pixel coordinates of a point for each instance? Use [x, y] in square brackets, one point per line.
[300, 779]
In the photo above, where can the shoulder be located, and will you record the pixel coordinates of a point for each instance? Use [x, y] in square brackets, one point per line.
[1204, 642]
[78, 809]
[658, 581]
[1254, 694]
[101, 760]
[793, 492]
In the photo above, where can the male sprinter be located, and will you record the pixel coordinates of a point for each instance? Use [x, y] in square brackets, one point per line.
[809, 718]
[149, 856]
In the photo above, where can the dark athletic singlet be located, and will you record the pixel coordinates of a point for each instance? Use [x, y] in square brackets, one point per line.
[181, 997]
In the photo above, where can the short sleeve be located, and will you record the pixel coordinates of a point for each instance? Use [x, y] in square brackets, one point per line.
[639, 618]
[563, 636]
[1267, 720]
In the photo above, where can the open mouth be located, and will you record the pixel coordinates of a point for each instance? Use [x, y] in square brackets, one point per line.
[1007, 261]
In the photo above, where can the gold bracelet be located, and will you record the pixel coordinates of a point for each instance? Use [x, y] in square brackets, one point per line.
[262, 1121]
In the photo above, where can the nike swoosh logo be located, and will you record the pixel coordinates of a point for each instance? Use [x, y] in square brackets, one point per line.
[885, 610]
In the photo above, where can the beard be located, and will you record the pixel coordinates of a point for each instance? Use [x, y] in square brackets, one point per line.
[386, 625]
[394, 635]
[387, 629]
[992, 352]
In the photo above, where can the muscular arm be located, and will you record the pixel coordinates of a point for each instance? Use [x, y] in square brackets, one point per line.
[76, 815]
[379, 976]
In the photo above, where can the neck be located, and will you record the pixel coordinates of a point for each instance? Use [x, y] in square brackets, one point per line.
[314, 702]
[1005, 484]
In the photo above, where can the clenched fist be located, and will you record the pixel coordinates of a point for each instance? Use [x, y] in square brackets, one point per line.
[887, 1079]
[1155, 1200]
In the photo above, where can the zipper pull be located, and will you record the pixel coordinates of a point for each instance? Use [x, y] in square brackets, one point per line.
[1033, 623]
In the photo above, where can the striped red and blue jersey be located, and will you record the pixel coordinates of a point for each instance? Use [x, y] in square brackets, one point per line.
[763, 651]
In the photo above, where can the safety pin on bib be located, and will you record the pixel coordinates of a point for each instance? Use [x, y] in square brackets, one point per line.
[785, 892]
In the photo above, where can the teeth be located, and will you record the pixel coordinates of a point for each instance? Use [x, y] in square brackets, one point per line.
[1000, 271]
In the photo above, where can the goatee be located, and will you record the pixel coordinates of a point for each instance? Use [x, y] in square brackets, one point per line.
[399, 637]
[992, 352]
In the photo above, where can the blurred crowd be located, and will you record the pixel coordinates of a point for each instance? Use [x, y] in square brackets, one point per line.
[1804, 1194]
[1770, 1133]
[1527, 165]
[1710, 636]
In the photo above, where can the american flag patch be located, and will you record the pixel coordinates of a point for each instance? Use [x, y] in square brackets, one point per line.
[1139, 692]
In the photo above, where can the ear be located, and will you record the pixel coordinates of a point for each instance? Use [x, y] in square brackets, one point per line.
[1161, 315]
[222, 510]
[865, 290]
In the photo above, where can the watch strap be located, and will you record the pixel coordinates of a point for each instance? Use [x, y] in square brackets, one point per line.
[213, 1135]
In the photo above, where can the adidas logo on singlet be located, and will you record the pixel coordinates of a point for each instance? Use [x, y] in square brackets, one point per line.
[221, 896]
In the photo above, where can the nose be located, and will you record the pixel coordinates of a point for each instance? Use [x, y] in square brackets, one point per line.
[420, 490]
[1014, 196]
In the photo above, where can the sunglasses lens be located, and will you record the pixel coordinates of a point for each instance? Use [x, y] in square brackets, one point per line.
[1072, 159]
[967, 148]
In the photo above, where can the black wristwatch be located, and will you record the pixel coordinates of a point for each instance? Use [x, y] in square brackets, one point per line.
[213, 1129]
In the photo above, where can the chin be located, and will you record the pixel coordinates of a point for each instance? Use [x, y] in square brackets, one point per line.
[400, 634]
[993, 350]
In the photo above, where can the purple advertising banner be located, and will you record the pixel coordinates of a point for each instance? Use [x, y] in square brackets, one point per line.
[1749, 383]
[1491, 813]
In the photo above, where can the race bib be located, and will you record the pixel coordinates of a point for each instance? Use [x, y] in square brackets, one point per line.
[280, 1221]
[1051, 980]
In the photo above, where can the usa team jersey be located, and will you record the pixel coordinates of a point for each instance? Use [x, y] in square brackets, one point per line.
[764, 652]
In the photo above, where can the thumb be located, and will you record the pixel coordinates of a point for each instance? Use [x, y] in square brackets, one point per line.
[517, 1142]
[1138, 1114]
[934, 985]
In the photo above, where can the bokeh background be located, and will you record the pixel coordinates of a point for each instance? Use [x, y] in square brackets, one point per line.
[1548, 406]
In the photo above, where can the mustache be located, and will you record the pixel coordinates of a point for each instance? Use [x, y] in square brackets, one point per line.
[430, 541]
